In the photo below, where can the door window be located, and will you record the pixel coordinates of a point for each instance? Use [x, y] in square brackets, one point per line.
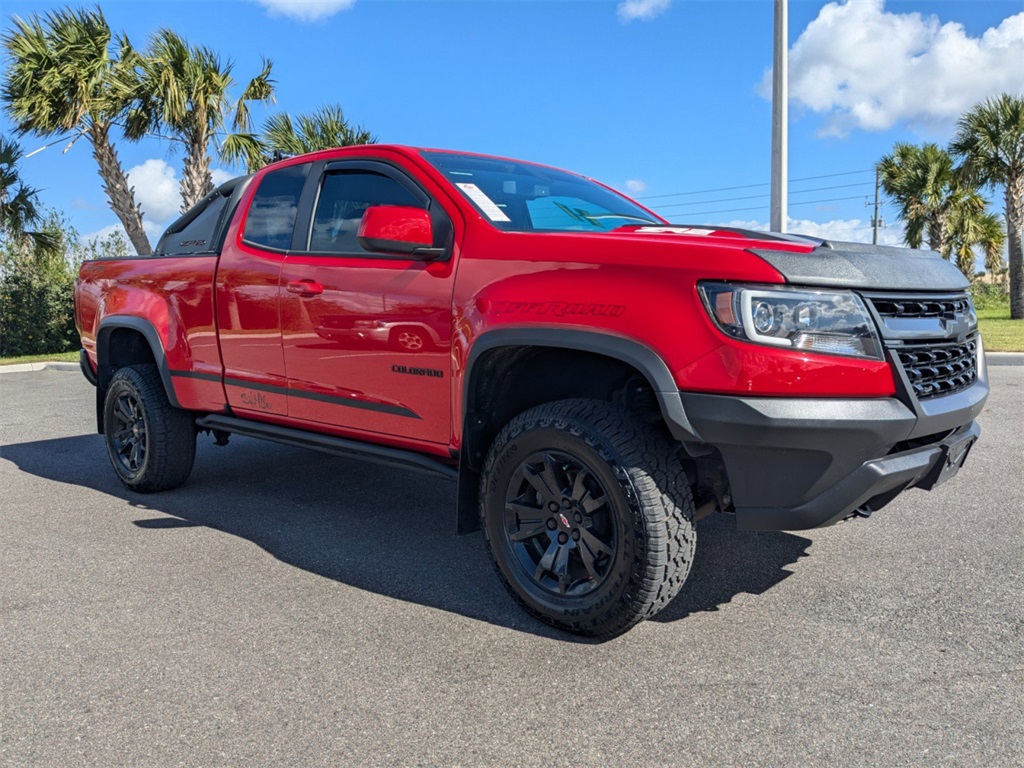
[344, 198]
[271, 218]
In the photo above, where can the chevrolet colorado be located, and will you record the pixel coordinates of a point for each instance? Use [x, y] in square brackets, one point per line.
[595, 378]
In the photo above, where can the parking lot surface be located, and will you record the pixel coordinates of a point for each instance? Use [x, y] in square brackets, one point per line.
[289, 608]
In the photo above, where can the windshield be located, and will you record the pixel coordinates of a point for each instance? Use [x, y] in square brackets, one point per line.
[522, 197]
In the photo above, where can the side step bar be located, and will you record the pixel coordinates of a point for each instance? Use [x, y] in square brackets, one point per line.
[338, 446]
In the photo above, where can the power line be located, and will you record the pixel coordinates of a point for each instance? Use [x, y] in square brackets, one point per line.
[762, 207]
[755, 197]
[751, 186]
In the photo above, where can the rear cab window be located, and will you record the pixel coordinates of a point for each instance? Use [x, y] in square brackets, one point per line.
[200, 231]
[270, 222]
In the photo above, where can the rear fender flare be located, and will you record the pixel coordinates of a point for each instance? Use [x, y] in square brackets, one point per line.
[104, 371]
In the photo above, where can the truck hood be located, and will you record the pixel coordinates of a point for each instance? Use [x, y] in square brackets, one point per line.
[867, 267]
[804, 260]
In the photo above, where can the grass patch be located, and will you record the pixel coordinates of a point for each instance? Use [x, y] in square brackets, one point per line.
[59, 357]
[1000, 333]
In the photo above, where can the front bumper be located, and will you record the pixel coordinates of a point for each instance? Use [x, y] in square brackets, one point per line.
[804, 463]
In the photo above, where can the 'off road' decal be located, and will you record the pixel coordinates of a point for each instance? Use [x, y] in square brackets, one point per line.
[556, 308]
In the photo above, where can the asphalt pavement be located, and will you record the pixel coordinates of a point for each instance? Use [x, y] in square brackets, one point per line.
[289, 608]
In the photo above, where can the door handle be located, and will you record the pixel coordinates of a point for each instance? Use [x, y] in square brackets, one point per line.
[305, 287]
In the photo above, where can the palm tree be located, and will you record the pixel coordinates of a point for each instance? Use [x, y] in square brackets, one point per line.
[185, 90]
[325, 128]
[60, 79]
[990, 139]
[968, 231]
[18, 201]
[924, 182]
[19, 204]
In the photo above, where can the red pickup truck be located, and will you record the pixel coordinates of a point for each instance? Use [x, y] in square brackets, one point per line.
[594, 378]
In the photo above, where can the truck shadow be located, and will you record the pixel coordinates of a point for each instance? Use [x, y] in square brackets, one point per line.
[376, 528]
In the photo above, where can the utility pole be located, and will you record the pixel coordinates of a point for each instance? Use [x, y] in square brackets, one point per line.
[780, 118]
[874, 219]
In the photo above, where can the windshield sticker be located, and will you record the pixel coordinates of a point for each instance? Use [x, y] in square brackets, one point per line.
[488, 206]
[674, 231]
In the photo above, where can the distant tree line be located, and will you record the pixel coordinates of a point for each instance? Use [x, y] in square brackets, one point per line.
[939, 191]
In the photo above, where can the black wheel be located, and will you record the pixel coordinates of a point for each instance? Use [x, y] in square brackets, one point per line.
[151, 444]
[588, 515]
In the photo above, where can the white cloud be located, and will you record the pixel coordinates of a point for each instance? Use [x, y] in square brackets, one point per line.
[220, 176]
[843, 230]
[156, 189]
[157, 192]
[863, 67]
[635, 186]
[101, 234]
[306, 10]
[154, 230]
[645, 10]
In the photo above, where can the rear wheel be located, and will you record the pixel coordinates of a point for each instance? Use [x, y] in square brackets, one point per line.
[151, 444]
[588, 515]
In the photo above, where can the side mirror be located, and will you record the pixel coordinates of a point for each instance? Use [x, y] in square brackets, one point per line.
[398, 229]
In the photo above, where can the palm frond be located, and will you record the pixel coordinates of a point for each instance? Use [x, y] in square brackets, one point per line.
[244, 149]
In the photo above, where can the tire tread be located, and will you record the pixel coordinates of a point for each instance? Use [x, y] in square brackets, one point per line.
[170, 431]
[649, 468]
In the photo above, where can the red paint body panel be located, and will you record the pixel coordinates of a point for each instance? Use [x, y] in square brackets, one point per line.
[175, 295]
[316, 341]
[397, 224]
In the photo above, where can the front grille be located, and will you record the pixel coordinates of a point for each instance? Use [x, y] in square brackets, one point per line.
[927, 333]
[940, 369]
[922, 307]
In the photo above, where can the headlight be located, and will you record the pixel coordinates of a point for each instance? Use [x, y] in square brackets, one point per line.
[827, 322]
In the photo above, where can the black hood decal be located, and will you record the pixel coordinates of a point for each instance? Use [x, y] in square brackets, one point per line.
[868, 267]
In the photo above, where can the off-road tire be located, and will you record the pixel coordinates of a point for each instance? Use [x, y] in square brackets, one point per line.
[648, 498]
[168, 434]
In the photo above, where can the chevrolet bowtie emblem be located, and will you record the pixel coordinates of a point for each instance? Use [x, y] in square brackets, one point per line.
[956, 327]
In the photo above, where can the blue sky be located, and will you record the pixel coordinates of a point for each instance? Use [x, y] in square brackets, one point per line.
[658, 97]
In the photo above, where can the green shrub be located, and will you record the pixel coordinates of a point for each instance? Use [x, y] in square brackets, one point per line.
[37, 313]
[990, 295]
[37, 309]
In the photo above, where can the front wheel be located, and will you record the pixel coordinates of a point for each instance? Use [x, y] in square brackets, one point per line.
[588, 515]
[151, 444]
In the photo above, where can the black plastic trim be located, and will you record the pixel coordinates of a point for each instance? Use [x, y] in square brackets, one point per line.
[937, 414]
[803, 463]
[144, 327]
[87, 371]
[641, 357]
[329, 444]
[233, 189]
[393, 410]
[197, 375]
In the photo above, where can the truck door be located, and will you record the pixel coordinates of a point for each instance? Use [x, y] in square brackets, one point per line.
[249, 295]
[367, 336]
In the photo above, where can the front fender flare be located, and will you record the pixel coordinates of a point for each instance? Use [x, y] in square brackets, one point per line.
[633, 353]
[626, 350]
